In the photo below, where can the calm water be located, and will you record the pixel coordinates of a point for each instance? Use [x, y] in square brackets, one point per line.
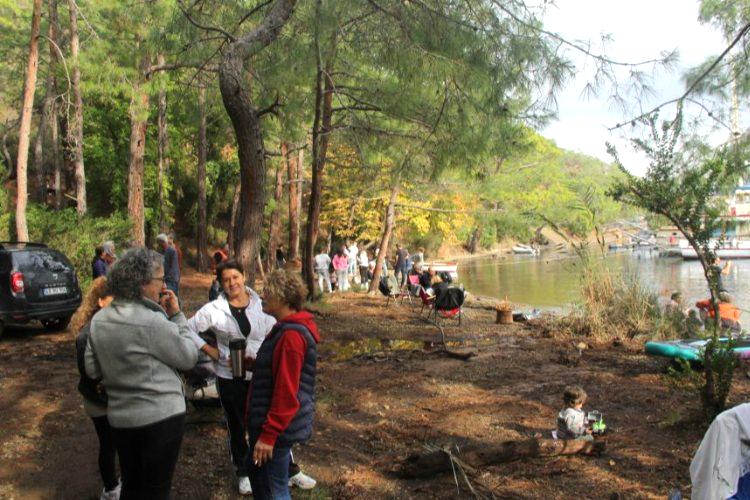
[547, 283]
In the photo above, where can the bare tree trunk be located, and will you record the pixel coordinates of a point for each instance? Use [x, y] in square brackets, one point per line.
[47, 105]
[163, 145]
[138, 123]
[247, 127]
[22, 230]
[76, 128]
[320, 137]
[202, 244]
[295, 200]
[390, 217]
[233, 220]
[6, 155]
[274, 230]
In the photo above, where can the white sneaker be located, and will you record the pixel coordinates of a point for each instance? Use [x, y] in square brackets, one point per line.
[245, 488]
[113, 494]
[302, 481]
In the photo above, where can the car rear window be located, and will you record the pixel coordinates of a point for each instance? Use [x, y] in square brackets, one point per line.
[37, 259]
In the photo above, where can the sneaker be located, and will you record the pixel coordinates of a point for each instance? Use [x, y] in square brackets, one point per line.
[302, 481]
[245, 488]
[113, 494]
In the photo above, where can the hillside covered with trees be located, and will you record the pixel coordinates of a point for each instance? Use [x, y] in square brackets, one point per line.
[213, 121]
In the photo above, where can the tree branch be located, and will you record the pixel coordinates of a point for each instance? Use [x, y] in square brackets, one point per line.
[203, 27]
[253, 11]
[695, 83]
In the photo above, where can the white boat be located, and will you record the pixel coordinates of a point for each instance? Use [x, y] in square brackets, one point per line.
[522, 249]
[736, 249]
[443, 266]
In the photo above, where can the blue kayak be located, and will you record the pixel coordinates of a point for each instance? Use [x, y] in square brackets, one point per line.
[691, 349]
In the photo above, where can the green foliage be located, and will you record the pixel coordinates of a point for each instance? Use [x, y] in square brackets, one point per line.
[684, 183]
[76, 238]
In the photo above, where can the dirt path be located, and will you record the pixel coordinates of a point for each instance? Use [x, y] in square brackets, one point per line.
[380, 396]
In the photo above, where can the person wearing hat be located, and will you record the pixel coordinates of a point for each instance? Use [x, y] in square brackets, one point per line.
[171, 263]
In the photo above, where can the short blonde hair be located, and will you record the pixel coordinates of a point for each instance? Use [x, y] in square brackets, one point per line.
[287, 286]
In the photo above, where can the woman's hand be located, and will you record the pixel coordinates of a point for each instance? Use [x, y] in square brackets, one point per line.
[262, 453]
[169, 302]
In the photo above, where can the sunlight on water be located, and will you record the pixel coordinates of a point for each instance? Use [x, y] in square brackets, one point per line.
[554, 283]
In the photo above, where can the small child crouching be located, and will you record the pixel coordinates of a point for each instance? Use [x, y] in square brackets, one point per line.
[571, 421]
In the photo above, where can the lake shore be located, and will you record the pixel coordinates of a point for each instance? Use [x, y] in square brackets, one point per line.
[384, 391]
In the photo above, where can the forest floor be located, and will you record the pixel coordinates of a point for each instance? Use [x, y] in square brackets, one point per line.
[383, 393]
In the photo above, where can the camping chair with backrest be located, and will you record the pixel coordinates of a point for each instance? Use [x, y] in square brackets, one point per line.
[411, 288]
[448, 303]
[428, 300]
[388, 286]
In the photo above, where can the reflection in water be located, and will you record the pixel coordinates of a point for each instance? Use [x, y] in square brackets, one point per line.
[543, 282]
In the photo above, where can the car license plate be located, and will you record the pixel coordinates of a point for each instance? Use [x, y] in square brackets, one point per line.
[57, 290]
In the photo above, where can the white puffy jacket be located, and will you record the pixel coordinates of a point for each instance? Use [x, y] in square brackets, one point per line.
[217, 317]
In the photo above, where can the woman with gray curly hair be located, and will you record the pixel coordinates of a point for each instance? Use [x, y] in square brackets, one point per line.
[135, 347]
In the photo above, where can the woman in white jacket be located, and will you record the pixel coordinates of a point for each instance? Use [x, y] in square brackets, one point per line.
[236, 313]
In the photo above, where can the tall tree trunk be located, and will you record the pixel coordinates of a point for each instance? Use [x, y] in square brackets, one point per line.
[233, 220]
[274, 230]
[295, 200]
[202, 243]
[247, 128]
[138, 123]
[163, 145]
[320, 137]
[47, 105]
[22, 230]
[76, 128]
[390, 217]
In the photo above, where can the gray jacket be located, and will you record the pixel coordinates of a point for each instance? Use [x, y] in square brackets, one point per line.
[136, 350]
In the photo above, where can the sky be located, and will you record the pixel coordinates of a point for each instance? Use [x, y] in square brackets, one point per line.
[641, 30]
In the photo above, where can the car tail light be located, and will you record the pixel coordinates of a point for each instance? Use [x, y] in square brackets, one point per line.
[16, 282]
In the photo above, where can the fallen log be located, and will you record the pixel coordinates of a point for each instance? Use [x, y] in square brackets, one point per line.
[437, 461]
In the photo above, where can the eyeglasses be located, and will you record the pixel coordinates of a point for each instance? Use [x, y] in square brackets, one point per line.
[158, 278]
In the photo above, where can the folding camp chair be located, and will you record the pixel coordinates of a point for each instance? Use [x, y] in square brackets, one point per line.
[428, 300]
[388, 286]
[448, 303]
[411, 288]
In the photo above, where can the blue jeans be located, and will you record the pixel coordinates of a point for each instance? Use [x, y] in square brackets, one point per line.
[175, 287]
[270, 480]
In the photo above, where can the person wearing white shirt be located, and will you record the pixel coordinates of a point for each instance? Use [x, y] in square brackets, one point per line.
[351, 254]
[364, 262]
[322, 264]
[236, 313]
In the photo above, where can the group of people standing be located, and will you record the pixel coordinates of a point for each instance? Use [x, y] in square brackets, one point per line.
[355, 264]
[105, 257]
[134, 340]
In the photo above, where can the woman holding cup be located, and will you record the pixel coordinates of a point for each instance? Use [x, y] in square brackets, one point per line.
[235, 316]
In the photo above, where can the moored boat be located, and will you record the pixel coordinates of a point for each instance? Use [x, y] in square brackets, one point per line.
[522, 249]
[443, 266]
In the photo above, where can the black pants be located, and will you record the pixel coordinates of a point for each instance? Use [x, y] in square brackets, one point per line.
[363, 275]
[107, 452]
[148, 456]
[233, 397]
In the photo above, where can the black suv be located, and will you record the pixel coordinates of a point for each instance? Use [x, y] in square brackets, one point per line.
[36, 282]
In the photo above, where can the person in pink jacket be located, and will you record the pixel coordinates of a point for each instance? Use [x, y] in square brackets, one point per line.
[341, 266]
